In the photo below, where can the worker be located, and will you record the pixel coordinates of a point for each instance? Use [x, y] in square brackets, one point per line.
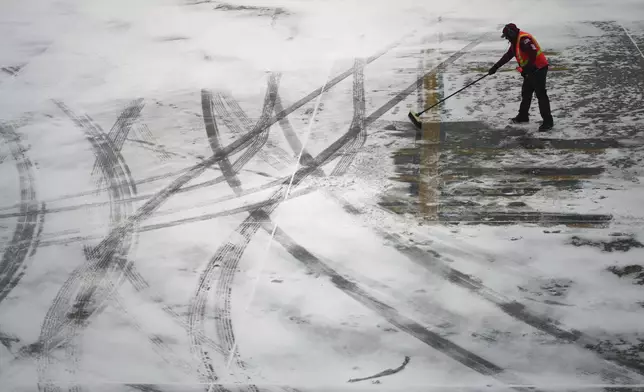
[533, 66]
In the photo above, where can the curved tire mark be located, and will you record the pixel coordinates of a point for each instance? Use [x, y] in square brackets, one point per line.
[403, 323]
[197, 310]
[213, 139]
[86, 291]
[416, 330]
[117, 135]
[184, 221]
[261, 139]
[293, 140]
[147, 138]
[25, 239]
[231, 252]
[187, 174]
[228, 257]
[53, 240]
[358, 121]
[512, 308]
[277, 157]
[115, 237]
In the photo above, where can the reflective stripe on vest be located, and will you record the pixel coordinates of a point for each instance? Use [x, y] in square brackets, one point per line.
[541, 60]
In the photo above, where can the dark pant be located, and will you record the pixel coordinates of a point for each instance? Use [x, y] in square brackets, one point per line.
[535, 84]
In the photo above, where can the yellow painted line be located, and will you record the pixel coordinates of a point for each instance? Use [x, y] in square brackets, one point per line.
[405, 178]
[429, 182]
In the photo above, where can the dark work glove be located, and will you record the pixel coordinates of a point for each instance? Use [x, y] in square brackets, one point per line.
[492, 70]
[528, 70]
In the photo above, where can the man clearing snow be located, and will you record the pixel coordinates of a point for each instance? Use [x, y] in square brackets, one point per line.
[533, 66]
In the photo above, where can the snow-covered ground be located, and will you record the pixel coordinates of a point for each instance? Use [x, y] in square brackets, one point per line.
[202, 195]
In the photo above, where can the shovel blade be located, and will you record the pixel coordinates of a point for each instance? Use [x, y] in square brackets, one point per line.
[415, 119]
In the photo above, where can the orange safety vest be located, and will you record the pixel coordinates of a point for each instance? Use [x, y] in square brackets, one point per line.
[541, 62]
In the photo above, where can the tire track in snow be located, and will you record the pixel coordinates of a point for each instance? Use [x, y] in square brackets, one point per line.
[164, 155]
[228, 259]
[213, 139]
[141, 286]
[218, 180]
[118, 133]
[115, 237]
[282, 114]
[184, 221]
[232, 122]
[106, 189]
[49, 241]
[277, 156]
[251, 225]
[222, 268]
[103, 189]
[294, 141]
[261, 139]
[85, 292]
[232, 118]
[357, 134]
[203, 217]
[145, 387]
[197, 308]
[114, 240]
[512, 308]
[114, 170]
[403, 323]
[289, 133]
[237, 167]
[356, 144]
[25, 239]
[164, 351]
[187, 174]
[148, 138]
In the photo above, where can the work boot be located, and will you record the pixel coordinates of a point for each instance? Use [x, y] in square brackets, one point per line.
[520, 119]
[546, 125]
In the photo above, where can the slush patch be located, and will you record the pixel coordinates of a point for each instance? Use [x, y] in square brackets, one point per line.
[548, 287]
[624, 163]
[635, 271]
[258, 10]
[622, 244]
[8, 340]
[12, 70]
[627, 349]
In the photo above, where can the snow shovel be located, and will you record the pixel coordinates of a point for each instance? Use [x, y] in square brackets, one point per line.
[415, 117]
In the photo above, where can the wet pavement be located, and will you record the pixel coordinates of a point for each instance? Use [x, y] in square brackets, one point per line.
[485, 172]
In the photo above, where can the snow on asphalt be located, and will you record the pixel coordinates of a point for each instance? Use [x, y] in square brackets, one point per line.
[158, 233]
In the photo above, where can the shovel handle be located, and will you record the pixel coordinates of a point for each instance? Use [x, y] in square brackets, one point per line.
[445, 99]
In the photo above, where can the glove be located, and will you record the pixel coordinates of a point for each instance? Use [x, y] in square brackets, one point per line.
[528, 70]
[492, 70]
